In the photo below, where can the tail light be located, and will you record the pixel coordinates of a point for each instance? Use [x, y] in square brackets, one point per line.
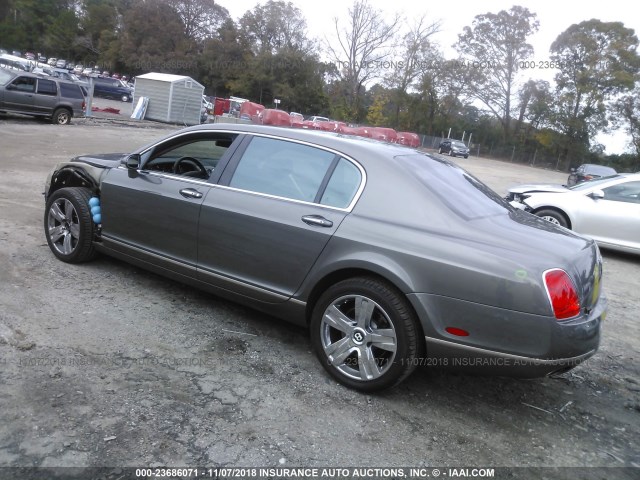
[562, 294]
[84, 105]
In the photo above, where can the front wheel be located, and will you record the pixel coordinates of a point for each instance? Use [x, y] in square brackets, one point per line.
[365, 334]
[68, 224]
[440, 151]
[553, 216]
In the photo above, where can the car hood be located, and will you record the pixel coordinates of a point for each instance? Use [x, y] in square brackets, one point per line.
[550, 188]
[103, 160]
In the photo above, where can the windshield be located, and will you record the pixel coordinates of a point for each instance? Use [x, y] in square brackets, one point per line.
[592, 183]
[458, 144]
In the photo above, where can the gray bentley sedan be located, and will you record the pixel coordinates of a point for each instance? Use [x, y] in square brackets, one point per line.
[392, 258]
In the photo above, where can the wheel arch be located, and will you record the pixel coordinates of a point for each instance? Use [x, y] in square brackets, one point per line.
[347, 272]
[555, 209]
[71, 176]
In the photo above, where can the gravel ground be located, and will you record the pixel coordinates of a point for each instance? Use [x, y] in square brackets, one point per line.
[104, 364]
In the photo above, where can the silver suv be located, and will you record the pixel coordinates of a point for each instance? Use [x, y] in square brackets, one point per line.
[31, 94]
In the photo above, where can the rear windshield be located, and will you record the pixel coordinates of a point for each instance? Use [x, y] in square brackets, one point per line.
[458, 190]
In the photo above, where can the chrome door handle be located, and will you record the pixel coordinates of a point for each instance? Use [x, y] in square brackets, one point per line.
[317, 221]
[190, 193]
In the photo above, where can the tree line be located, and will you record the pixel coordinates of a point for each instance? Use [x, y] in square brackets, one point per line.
[375, 69]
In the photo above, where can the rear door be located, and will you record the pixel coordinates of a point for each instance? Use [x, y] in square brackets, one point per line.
[276, 207]
[46, 97]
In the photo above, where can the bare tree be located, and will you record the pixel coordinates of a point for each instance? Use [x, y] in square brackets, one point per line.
[361, 49]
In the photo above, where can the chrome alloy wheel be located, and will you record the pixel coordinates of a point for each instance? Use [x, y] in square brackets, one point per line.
[551, 219]
[358, 337]
[64, 226]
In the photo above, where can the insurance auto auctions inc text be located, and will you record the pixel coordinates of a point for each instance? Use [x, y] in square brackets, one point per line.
[358, 472]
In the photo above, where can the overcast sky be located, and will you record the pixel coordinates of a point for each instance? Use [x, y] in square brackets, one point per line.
[554, 16]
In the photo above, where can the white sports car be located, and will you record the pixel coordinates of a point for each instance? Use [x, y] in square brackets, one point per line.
[606, 209]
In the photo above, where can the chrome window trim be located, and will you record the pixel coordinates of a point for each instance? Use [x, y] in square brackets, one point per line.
[170, 176]
[347, 209]
[356, 196]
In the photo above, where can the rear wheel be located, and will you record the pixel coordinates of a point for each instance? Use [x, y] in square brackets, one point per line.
[553, 216]
[68, 224]
[440, 150]
[61, 116]
[365, 334]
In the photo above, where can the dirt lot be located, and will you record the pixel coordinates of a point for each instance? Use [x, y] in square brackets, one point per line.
[104, 364]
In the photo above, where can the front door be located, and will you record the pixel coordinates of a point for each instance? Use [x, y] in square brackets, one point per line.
[163, 199]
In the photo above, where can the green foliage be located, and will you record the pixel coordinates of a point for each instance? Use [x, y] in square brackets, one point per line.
[375, 114]
[493, 49]
[267, 54]
[597, 61]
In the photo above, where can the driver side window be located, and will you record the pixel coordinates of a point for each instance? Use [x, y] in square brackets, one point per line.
[190, 157]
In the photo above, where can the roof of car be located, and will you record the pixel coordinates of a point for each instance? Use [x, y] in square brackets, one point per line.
[348, 145]
[597, 166]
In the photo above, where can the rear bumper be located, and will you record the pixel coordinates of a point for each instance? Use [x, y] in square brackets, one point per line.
[444, 353]
[505, 342]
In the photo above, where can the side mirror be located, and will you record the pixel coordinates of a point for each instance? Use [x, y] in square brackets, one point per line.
[596, 194]
[133, 161]
[11, 86]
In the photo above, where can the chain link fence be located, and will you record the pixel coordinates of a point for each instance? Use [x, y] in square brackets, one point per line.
[523, 154]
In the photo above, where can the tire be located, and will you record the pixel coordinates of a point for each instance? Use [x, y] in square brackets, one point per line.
[125, 98]
[388, 334]
[61, 116]
[68, 224]
[553, 216]
[451, 154]
[440, 150]
[466, 156]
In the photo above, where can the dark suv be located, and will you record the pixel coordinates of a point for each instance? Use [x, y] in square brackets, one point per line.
[588, 171]
[31, 94]
[453, 148]
[111, 88]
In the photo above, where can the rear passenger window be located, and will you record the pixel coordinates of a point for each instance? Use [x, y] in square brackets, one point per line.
[47, 87]
[282, 168]
[342, 186]
[69, 90]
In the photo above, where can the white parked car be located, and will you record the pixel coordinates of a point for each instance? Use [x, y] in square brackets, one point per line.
[606, 209]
